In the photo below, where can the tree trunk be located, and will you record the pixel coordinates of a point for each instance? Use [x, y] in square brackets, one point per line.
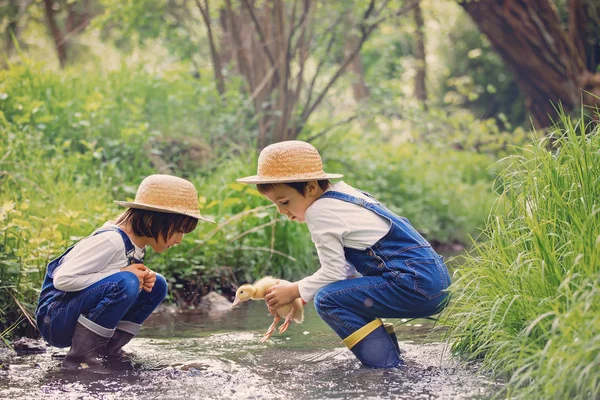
[359, 87]
[214, 55]
[59, 41]
[11, 26]
[546, 62]
[420, 88]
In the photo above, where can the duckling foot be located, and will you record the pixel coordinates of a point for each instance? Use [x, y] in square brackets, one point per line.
[288, 319]
[271, 329]
[284, 326]
[266, 337]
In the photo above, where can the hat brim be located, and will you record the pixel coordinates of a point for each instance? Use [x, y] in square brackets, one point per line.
[142, 206]
[258, 179]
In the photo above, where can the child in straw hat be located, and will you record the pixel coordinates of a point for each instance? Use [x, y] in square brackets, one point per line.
[97, 294]
[401, 276]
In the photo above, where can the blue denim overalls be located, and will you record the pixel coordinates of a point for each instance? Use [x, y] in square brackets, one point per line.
[403, 277]
[113, 300]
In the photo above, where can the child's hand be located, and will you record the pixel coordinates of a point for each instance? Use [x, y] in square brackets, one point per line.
[140, 271]
[149, 281]
[281, 294]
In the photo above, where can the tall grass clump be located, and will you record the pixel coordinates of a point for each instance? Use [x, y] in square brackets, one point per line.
[527, 301]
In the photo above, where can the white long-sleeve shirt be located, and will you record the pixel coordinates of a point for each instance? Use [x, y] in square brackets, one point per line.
[93, 259]
[333, 225]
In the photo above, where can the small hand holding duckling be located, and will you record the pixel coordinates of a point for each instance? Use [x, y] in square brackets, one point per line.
[291, 311]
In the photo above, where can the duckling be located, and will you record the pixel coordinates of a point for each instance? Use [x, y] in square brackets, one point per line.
[293, 311]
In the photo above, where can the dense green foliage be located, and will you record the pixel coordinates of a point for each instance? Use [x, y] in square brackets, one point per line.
[528, 300]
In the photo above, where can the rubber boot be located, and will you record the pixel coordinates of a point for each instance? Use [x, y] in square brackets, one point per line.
[116, 343]
[390, 330]
[86, 346]
[373, 346]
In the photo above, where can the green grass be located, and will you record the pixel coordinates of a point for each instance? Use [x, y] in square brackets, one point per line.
[527, 302]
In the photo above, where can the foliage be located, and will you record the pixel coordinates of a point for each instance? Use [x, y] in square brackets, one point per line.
[444, 192]
[528, 300]
[475, 76]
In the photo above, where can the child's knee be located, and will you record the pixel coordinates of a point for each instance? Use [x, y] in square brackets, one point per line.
[128, 284]
[323, 302]
[161, 288]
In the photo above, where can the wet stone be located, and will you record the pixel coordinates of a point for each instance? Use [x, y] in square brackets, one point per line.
[29, 346]
[214, 303]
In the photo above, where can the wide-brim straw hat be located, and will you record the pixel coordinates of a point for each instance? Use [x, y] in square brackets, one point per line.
[289, 161]
[168, 194]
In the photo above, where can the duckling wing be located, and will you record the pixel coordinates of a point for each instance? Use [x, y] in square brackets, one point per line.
[266, 282]
[298, 311]
[284, 310]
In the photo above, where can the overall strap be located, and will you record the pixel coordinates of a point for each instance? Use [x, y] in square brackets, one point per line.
[129, 247]
[377, 207]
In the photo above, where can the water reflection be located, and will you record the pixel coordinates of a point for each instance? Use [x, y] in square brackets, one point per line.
[192, 356]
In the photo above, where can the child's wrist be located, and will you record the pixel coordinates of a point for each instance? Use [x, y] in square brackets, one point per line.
[296, 291]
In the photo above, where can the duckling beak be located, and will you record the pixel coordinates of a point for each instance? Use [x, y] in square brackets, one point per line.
[236, 302]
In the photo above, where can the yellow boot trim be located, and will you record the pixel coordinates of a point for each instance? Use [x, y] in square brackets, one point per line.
[389, 328]
[360, 334]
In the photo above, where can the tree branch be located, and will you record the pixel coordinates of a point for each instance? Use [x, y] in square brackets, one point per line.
[364, 35]
[330, 127]
[331, 30]
[259, 31]
[213, 50]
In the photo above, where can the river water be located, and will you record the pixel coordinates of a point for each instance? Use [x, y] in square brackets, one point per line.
[197, 356]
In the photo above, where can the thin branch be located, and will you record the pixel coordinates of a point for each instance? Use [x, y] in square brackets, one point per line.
[306, 112]
[330, 127]
[239, 49]
[366, 30]
[268, 250]
[260, 32]
[300, 49]
[252, 230]
[284, 85]
[403, 10]
[31, 321]
[229, 221]
[332, 31]
[213, 49]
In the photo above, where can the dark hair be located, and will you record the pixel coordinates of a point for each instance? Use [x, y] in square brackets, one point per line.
[299, 186]
[155, 223]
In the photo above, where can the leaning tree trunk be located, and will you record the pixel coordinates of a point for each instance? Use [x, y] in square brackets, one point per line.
[59, 38]
[548, 66]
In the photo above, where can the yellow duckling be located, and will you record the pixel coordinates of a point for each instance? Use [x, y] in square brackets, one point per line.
[293, 311]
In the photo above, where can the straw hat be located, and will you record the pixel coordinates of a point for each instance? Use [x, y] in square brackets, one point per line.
[166, 193]
[290, 161]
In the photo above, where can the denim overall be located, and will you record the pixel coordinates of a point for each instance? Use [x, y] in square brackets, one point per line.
[114, 300]
[402, 277]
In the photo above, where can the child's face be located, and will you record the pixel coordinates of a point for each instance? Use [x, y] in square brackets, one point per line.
[161, 244]
[291, 203]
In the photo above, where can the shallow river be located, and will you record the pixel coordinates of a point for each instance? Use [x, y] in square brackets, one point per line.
[192, 356]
